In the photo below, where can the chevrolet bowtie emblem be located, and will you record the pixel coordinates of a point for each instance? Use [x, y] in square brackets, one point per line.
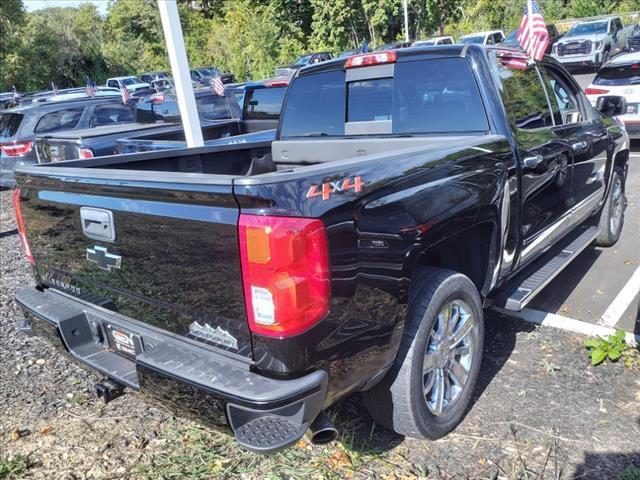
[103, 259]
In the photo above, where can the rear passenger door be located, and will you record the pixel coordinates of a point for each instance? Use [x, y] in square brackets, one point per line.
[545, 158]
[585, 133]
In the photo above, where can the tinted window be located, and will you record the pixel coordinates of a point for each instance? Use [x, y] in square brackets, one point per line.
[619, 75]
[112, 83]
[315, 106]
[60, 120]
[437, 96]
[212, 107]
[466, 40]
[431, 96]
[111, 114]
[370, 100]
[446, 41]
[9, 124]
[522, 93]
[263, 103]
[563, 98]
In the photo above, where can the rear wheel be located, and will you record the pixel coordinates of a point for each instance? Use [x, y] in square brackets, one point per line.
[429, 388]
[612, 215]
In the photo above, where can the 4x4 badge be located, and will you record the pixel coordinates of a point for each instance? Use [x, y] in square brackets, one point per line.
[103, 259]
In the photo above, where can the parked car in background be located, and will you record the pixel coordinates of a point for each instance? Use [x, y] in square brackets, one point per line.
[348, 53]
[591, 43]
[492, 37]
[633, 38]
[19, 126]
[251, 286]
[149, 77]
[163, 106]
[204, 75]
[392, 46]
[443, 40]
[302, 61]
[620, 76]
[132, 84]
[511, 40]
[257, 122]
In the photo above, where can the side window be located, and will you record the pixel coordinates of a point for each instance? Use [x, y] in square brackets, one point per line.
[564, 100]
[490, 40]
[447, 41]
[111, 114]
[112, 83]
[60, 120]
[498, 37]
[522, 93]
[618, 24]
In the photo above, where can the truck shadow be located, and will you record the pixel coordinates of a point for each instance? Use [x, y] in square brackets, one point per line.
[359, 432]
[598, 466]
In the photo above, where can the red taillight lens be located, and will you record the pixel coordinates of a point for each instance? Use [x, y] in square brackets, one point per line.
[285, 271]
[85, 152]
[595, 91]
[22, 233]
[276, 83]
[367, 59]
[157, 98]
[15, 149]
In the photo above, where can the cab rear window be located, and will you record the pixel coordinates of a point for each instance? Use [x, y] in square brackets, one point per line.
[423, 97]
[263, 103]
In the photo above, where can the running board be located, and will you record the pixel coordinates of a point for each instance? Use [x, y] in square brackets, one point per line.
[519, 291]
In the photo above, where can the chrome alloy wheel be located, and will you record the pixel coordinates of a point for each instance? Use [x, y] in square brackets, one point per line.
[617, 205]
[448, 357]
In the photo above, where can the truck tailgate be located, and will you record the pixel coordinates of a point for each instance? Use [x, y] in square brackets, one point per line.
[161, 252]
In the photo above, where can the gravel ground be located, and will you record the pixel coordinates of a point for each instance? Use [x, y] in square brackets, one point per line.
[542, 412]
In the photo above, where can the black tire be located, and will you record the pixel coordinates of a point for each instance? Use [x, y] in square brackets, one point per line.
[613, 209]
[400, 402]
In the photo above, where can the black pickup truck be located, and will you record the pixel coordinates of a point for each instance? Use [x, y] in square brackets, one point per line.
[253, 286]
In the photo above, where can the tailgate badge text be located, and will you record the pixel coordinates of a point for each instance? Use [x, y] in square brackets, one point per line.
[103, 259]
[216, 335]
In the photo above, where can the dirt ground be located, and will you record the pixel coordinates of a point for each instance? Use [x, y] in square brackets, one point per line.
[542, 412]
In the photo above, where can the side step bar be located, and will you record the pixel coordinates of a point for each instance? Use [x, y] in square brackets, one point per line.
[519, 291]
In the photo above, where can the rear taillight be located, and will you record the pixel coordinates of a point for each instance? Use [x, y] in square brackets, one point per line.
[367, 59]
[15, 149]
[595, 91]
[22, 233]
[157, 98]
[85, 152]
[276, 83]
[285, 271]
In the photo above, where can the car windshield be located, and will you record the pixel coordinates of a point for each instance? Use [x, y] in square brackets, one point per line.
[512, 37]
[618, 75]
[212, 107]
[479, 39]
[131, 80]
[587, 29]
[424, 43]
[303, 60]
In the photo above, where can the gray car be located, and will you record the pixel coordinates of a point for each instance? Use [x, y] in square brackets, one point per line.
[591, 43]
[19, 126]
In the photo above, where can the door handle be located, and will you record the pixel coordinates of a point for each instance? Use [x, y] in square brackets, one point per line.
[533, 161]
[579, 146]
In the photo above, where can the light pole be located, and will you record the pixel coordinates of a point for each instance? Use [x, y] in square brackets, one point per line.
[406, 20]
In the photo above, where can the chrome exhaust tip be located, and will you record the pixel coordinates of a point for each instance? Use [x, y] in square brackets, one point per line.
[322, 431]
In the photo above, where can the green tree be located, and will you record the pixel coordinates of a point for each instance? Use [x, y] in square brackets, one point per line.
[11, 23]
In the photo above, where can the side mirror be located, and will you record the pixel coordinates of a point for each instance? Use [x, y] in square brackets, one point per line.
[611, 105]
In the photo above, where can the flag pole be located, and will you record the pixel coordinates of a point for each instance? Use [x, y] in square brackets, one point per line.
[406, 19]
[180, 71]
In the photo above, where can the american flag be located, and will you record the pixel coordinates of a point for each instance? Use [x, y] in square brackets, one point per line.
[513, 60]
[218, 86]
[90, 89]
[126, 96]
[533, 35]
[54, 89]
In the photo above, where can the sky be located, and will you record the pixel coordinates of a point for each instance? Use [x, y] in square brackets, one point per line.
[32, 5]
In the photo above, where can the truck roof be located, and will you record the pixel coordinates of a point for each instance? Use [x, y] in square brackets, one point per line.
[437, 51]
[105, 130]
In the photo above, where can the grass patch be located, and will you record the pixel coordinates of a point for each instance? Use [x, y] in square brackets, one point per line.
[13, 467]
[630, 473]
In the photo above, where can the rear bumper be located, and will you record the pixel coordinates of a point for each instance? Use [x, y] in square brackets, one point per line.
[265, 414]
